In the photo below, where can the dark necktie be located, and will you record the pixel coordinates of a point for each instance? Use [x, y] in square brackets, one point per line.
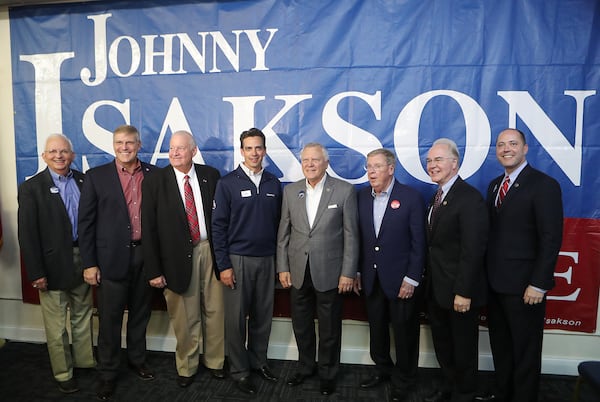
[437, 200]
[503, 191]
[190, 211]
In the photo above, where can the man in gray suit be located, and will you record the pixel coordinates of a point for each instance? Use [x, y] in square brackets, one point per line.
[317, 256]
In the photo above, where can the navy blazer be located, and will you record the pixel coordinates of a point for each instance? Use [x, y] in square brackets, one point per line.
[525, 233]
[399, 250]
[104, 224]
[457, 243]
[46, 234]
[167, 243]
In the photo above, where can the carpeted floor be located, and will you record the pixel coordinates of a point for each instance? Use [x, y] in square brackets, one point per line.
[25, 375]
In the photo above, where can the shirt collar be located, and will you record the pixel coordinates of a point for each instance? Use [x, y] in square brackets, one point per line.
[446, 187]
[180, 175]
[249, 172]
[386, 192]
[318, 186]
[55, 176]
[515, 173]
[123, 169]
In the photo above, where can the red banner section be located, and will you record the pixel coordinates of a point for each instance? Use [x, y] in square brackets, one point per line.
[572, 304]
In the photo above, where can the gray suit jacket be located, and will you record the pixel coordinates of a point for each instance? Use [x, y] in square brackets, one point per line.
[331, 245]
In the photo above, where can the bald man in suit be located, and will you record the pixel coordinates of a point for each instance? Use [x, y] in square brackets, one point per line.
[317, 256]
[180, 258]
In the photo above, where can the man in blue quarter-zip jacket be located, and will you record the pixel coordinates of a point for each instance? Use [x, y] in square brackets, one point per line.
[244, 226]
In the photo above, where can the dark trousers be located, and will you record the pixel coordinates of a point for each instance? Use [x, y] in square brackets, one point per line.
[403, 316]
[253, 298]
[135, 294]
[328, 305]
[516, 335]
[455, 340]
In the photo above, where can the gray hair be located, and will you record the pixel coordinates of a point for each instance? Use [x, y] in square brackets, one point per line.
[450, 144]
[316, 145]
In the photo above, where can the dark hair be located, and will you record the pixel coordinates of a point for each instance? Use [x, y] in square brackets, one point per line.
[253, 132]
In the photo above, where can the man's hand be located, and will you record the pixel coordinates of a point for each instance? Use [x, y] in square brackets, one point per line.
[40, 284]
[345, 284]
[158, 282]
[406, 290]
[357, 286]
[532, 296]
[228, 278]
[91, 276]
[461, 304]
[285, 279]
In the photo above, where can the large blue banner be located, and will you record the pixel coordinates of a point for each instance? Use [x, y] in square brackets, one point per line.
[354, 75]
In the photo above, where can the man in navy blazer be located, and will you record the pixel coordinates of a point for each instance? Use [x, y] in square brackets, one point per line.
[110, 239]
[526, 222]
[456, 285]
[183, 264]
[391, 263]
[47, 215]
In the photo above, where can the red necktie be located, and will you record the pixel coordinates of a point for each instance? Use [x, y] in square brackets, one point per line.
[190, 210]
[503, 191]
[437, 200]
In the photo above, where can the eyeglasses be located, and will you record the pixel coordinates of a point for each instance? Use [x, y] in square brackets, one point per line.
[61, 152]
[377, 167]
[438, 159]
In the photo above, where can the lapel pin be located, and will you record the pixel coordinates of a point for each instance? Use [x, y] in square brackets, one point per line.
[54, 190]
[395, 204]
[516, 185]
[301, 194]
[444, 202]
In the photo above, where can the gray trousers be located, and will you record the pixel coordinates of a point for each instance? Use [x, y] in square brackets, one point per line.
[251, 298]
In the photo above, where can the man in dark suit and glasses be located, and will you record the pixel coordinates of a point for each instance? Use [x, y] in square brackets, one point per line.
[176, 216]
[456, 285]
[110, 237]
[317, 256]
[526, 222]
[391, 263]
[48, 205]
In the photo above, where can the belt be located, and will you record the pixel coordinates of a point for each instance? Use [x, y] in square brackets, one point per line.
[135, 243]
[75, 243]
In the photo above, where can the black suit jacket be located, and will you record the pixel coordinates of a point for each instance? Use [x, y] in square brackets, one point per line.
[525, 233]
[167, 241]
[457, 243]
[46, 234]
[104, 225]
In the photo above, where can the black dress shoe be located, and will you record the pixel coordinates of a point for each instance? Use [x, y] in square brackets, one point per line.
[245, 385]
[327, 387]
[184, 382]
[219, 374]
[142, 371]
[266, 374]
[105, 391]
[437, 396]
[68, 387]
[486, 398]
[374, 381]
[298, 378]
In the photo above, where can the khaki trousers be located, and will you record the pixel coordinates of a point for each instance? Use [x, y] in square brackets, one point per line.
[198, 314]
[56, 304]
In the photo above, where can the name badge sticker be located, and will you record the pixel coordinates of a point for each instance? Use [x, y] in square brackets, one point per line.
[332, 206]
[246, 193]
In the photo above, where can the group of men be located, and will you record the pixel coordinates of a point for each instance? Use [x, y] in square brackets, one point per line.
[214, 245]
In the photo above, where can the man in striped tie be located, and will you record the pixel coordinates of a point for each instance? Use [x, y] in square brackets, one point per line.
[176, 216]
[526, 219]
